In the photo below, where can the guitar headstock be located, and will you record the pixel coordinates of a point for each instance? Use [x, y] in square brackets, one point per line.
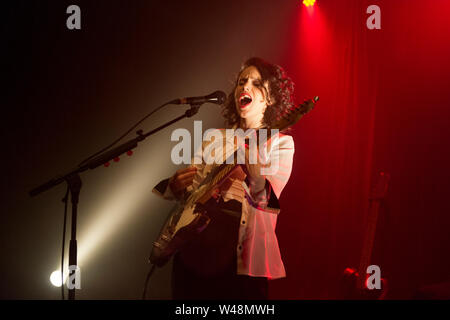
[292, 116]
[380, 188]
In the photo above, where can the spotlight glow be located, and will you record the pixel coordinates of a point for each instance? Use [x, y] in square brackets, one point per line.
[309, 3]
[55, 278]
[115, 208]
[111, 214]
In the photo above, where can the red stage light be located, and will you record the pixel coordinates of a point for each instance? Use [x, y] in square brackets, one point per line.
[309, 3]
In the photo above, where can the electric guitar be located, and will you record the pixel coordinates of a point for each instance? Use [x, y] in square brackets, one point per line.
[190, 217]
[354, 284]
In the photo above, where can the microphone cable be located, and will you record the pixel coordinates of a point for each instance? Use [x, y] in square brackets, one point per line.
[149, 274]
[65, 200]
[123, 135]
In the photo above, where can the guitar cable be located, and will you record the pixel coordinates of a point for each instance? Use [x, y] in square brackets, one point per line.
[65, 200]
[149, 274]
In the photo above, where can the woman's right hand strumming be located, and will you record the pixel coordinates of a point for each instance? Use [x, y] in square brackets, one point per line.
[182, 179]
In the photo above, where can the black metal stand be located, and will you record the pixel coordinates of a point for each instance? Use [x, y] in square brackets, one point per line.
[74, 181]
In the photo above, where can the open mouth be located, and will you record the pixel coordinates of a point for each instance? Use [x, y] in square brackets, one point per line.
[244, 100]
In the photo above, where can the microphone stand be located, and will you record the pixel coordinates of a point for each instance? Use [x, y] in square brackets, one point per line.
[74, 181]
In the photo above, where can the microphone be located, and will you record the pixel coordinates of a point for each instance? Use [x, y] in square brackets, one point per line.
[217, 97]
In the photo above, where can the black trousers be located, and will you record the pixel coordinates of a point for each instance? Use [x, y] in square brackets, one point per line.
[206, 268]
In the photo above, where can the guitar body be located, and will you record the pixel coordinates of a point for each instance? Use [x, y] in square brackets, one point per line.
[190, 217]
[173, 235]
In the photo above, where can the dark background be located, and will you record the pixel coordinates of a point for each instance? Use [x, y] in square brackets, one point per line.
[384, 106]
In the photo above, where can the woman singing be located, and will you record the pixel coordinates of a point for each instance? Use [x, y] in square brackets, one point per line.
[238, 252]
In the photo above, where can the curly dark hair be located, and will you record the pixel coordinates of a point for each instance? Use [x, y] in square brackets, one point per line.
[281, 90]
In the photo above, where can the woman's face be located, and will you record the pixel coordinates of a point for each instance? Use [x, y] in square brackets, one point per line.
[250, 95]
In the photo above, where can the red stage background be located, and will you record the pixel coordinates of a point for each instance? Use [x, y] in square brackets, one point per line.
[384, 107]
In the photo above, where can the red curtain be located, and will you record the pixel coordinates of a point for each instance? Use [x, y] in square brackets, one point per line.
[375, 87]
